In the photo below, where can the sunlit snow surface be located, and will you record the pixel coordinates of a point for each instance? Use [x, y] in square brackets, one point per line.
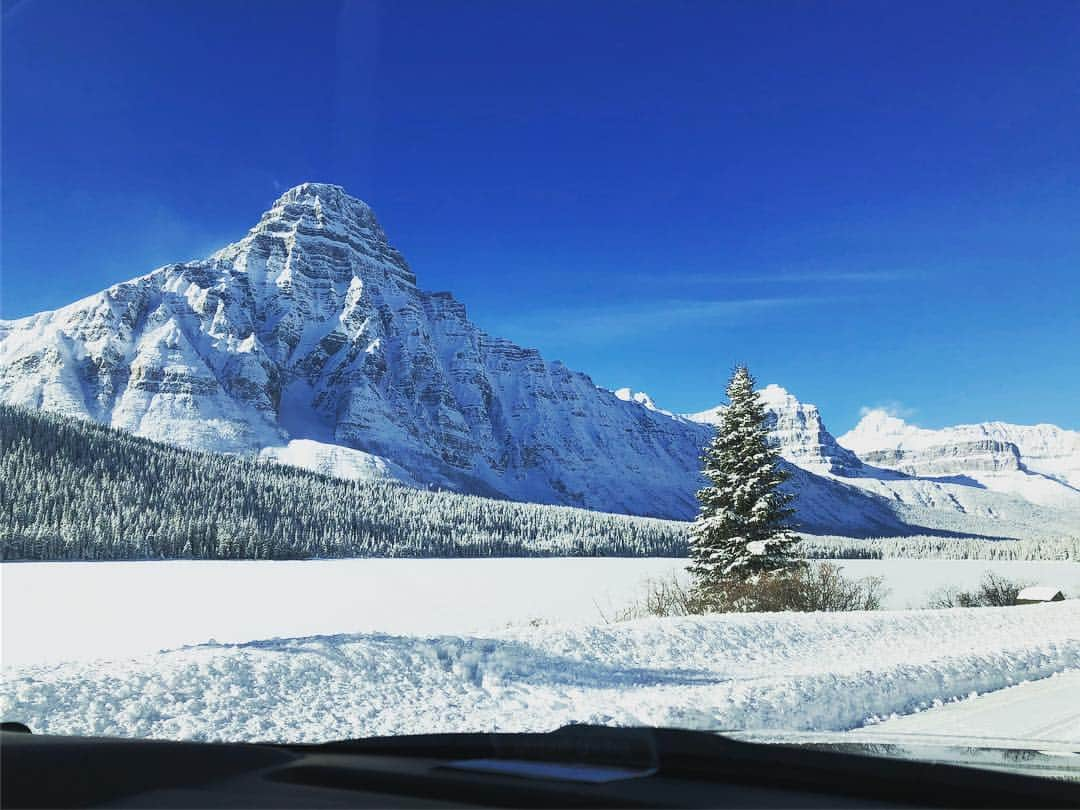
[61, 611]
[420, 674]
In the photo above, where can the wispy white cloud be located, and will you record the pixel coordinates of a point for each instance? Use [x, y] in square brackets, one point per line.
[784, 277]
[891, 407]
[605, 323]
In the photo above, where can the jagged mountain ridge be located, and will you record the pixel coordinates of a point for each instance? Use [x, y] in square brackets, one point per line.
[308, 341]
[312, 328]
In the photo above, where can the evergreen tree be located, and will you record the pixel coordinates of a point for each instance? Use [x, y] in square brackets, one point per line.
[743, 527]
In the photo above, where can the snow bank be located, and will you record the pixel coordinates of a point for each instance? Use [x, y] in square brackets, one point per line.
[755, 672]
[1036, 711]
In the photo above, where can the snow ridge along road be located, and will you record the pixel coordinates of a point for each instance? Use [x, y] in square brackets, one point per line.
[1043, 711]
[799, 672]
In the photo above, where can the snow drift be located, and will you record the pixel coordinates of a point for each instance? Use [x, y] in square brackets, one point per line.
[796, 672]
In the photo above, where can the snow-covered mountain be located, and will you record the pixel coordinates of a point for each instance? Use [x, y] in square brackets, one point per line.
[641, 398]
[312, 328]
[799, 430]
[973, 478]
[1040, 463]
[309, 342]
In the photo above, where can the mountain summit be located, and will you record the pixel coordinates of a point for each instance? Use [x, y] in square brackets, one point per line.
[309, 342]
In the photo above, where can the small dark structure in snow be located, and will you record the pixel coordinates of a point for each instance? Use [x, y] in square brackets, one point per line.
[1039, 593]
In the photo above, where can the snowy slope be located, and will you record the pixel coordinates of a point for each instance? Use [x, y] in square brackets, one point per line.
[766, 671]
[641, 398]
[336, 461]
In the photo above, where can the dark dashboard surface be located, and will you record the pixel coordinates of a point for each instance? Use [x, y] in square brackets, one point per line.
[575, 767]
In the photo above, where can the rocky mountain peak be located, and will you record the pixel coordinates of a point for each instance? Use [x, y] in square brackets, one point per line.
[798, 430]
[773, 394]
[321, 220]
[323, 206]
[333, 198]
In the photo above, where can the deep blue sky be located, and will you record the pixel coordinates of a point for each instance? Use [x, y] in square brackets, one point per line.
[870, 203]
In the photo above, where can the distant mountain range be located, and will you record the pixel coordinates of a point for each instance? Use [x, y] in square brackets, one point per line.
[308, 341]
[987, 478]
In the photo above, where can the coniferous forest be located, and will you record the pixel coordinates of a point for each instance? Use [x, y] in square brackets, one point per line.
[75, 490]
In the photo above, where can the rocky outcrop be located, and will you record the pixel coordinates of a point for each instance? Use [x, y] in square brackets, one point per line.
[949, 459]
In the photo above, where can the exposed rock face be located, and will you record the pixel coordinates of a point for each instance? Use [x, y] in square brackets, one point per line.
[1045, 449]
[949, 459]
[308, 341]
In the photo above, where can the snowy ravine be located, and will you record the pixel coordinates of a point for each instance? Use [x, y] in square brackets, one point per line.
[767, 671]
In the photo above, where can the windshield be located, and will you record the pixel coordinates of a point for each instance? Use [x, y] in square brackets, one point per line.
[327, 331]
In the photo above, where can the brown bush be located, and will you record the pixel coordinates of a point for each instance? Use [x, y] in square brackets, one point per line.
[994, 591]
[808, 588]
[818, 587]
[664, 597]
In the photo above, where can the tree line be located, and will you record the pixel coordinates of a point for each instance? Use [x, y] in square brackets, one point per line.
[939, 548]
[75, 490]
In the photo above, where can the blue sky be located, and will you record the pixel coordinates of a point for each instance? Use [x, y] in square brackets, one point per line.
[870, 203]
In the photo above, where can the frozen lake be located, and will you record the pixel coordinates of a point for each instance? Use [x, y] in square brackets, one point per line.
[83, 611]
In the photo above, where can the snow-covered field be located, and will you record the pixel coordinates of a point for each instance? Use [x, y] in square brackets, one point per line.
[73, 610]
[394, 646]
[63, 611]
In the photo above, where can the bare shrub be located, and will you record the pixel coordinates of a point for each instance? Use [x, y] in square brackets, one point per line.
[994, 591]
[824, 587]
[806, 588]
[951, 597]
[664, 597]
[997, 591]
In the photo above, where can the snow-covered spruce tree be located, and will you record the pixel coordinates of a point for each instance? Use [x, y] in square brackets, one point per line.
[743, 527]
